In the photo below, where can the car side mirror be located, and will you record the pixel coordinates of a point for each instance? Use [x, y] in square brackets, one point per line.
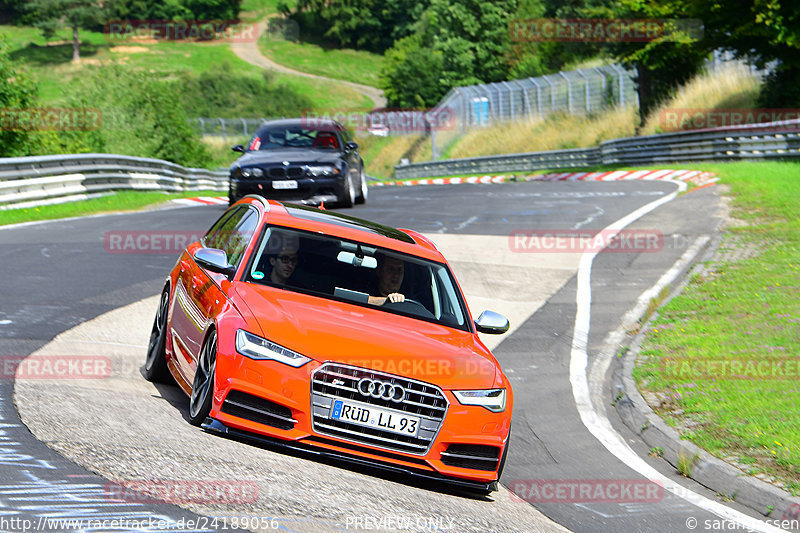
[214, 260]
[351, 146]
[238, 148]
[492, 323]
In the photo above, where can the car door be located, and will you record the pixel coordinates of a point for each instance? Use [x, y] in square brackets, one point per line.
[202, 289]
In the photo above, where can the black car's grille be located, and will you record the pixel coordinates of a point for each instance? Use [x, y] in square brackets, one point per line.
[473, 456]
[249, 407]
[332, 382]
[284, 172]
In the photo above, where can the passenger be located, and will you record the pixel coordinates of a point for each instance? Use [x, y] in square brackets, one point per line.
[389, 279]
[285, 260]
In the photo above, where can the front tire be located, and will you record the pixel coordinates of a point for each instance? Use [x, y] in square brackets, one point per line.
[362, 197]
[203, 384]
[155, 366]
[348, 196]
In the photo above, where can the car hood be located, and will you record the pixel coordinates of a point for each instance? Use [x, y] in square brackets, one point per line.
[269, 157]
[328, 330]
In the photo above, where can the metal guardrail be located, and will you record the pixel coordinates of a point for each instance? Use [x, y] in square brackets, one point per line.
[45, 179]
[38, 180]
[776, 140]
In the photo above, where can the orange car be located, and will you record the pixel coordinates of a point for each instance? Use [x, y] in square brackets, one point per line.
[321, 331]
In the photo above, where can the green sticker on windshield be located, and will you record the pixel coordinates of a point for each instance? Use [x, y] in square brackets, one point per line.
[257, 274]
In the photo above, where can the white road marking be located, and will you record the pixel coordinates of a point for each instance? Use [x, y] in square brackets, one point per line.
[599, 426]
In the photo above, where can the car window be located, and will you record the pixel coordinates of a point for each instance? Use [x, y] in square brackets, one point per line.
[282, 137]
[213, 238]
[357, 273]
[232, 234]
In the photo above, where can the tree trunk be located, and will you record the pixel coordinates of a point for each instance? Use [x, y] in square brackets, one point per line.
[76, 52]
[644, 89]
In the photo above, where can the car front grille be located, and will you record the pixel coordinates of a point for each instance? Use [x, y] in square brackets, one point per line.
[284, 172]
[333, 381]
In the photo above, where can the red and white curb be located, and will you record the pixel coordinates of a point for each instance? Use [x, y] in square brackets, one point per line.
[696, 177]
[202, 200]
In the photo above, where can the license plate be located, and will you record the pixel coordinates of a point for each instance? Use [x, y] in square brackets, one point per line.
[369, 416]
[284, 184]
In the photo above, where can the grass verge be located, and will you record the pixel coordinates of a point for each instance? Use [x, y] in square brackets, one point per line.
[357, 66]
[744, 309]
[120, 201]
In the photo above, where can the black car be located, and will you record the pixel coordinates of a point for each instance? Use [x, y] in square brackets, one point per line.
[307, 160]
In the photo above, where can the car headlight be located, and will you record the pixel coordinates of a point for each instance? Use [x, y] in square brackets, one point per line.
[255, 347]
[492, 399]
[322, 170]
[252, 172]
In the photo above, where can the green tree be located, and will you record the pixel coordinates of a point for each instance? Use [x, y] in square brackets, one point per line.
[762, 31]
[365, 24]
[74, 14]
[456, 42]
[411, 74]
[662, 64]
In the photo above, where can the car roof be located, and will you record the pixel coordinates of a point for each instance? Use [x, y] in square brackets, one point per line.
[346, 227]
[305, 122]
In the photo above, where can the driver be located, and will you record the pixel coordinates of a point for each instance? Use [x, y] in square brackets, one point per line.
[390, 276]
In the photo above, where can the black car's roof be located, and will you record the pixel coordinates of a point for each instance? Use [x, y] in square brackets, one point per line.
[305, 122]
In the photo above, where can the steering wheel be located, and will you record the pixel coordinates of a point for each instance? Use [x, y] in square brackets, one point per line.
[422, 311]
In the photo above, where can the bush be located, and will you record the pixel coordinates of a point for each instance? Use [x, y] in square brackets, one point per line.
[17, 91]
[141, 116]
[220, 92]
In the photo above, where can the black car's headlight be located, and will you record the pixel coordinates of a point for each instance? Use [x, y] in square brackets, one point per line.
[322, 170]
[251, 172]
[255, 347]
[492, 399]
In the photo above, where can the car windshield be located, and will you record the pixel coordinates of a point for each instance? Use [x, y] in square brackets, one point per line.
[281, 137]
[357, 273]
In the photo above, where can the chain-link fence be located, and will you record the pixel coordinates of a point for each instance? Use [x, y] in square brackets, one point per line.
[228, 127]
[580, 91]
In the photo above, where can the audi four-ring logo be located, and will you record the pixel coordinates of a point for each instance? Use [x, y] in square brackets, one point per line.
[381, 389]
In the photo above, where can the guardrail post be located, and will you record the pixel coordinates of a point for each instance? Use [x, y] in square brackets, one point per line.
[538, 96]
[621, 74]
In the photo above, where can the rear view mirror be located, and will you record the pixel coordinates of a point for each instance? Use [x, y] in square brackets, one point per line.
[357, 261]
[238, 148]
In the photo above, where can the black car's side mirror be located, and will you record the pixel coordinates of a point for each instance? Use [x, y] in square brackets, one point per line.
[351, 146]
[238, 148]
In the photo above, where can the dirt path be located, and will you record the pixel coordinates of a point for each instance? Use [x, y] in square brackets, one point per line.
[249, 52]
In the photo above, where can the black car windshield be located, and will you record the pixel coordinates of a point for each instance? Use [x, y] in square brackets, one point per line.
[282, 137]
[357, 273]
